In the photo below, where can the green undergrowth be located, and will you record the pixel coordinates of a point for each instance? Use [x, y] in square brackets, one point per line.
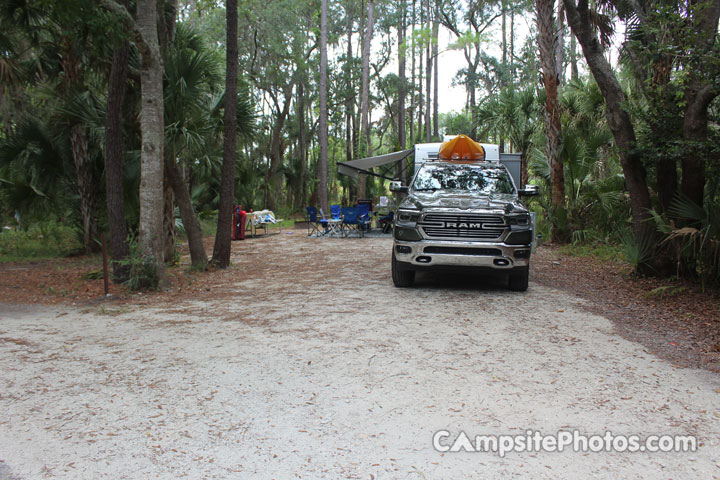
[39, 242]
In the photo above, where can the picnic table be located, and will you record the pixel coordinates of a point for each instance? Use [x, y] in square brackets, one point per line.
[262, 219]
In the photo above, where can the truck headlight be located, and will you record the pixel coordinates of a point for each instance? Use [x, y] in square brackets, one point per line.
[407, 217]
[518, 220]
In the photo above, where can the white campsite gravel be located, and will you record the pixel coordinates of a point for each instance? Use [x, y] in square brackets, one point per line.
[316, 367]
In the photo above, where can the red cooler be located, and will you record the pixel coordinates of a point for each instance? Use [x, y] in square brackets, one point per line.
[239, 219]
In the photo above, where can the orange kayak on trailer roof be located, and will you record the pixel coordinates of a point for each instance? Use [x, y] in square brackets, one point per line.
[461, 147]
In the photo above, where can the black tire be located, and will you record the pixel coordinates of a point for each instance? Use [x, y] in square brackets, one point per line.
[519, 279]
[401, 278]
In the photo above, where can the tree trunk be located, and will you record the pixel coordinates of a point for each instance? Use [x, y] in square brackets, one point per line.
[85, 185]
[72, 82]
[436, 113]
[523, 169]
[402, 141]
[699, 93]
[365, 94]
[471, 86]
[191, 14]
[580, 20]
[503, 27]
[551, 82]
[667, 181]
[150, 241]
[223, 236]
[421, 98]
[356, 136]
[174, 176]
[305, 155]
[119, 249]
[274, 183]
[560, 42]
[695, 128]
[412, 75]
[168, 220]
[302, 147]
[512, 45]
[428, 77]
[350, 100]
[323, 133]
[573, 58]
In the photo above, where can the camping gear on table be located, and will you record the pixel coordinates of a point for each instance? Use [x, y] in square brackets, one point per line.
[261, 220]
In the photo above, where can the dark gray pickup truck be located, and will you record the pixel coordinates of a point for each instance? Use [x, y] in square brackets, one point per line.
[462, 215]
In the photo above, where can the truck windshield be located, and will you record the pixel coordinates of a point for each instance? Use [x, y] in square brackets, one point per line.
[474, 178]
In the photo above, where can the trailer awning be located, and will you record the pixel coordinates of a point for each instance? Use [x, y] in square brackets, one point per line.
[352, 168]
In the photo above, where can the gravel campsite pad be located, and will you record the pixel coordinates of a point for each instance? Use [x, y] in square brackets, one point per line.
[303, 361]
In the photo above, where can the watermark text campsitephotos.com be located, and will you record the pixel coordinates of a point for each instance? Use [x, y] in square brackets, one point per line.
[535, 441]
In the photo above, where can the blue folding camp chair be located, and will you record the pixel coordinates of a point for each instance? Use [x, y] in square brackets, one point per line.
[312, 220]
[364, 216]
[335, 212]
[351, 221]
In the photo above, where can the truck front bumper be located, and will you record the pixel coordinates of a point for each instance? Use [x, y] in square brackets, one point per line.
[433, 253]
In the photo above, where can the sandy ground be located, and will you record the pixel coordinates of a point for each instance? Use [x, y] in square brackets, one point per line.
[309, 364]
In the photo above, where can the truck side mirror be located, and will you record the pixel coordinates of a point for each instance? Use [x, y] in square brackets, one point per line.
[529, 191]
[398, 187]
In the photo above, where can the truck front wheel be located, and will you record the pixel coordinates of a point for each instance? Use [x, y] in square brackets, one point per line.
[401, 278]
[519, 279]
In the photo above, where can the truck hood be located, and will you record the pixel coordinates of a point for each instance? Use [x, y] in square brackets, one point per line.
[444, 199]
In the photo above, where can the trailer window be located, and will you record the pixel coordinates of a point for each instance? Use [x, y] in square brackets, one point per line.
[474, 178]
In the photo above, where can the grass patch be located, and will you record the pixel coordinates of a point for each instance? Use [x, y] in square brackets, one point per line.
[39, 242]
[665, 291]
[208, 223]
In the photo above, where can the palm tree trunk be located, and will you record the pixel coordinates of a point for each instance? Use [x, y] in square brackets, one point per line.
[150, 241]
[85, 185]
[119, 248]
[169, 220]
[547, 42]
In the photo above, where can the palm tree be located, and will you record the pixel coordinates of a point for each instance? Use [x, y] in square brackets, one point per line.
[34, 182]
[192, 76]
[512, 115]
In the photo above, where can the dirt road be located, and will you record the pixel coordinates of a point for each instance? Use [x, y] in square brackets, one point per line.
[305, 362]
